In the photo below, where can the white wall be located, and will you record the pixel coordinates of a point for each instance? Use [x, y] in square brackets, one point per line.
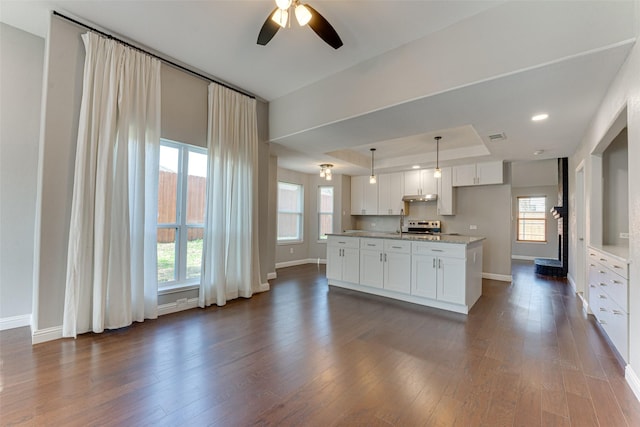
[615, 195]
[624, 91]
[21, 62]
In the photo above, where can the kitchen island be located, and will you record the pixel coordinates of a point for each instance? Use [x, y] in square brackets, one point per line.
[442, 271]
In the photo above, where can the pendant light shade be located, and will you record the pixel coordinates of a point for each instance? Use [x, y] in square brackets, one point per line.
[438, 172]
[372, 178]
[280, 17]
[325, 171]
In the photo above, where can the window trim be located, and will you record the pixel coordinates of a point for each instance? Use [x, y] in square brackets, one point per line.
[180, 282]
[544, 219]
[320, 212]
[300, 240]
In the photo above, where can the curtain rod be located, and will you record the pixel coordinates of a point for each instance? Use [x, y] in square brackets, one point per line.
[112, 37]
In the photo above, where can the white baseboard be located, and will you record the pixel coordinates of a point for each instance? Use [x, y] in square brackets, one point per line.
[48, 334]
[264, 287]
[632, 380]
[524, 257]
[174, 307]
[300, 262]
[500, 277]
[271, 276]
[572, 283]
[15, 322]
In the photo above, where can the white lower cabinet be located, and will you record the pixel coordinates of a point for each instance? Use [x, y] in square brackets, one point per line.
[435, 274]
[343, 258]
[609, 297]
[439, 272]
[385, 264]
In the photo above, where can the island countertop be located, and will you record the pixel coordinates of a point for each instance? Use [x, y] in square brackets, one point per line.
[437, 238]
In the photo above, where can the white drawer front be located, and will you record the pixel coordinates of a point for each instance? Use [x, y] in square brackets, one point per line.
[398, 246]
[372, 244]
[618, 290]
[344, 242]
[439, 249]
[615, 323]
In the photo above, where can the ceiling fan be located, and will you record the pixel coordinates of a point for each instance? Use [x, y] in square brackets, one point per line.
[305, 14]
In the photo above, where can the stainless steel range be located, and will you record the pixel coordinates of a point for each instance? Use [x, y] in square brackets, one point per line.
[422, 226]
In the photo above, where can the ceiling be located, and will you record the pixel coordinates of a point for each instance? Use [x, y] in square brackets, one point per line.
[408, 71]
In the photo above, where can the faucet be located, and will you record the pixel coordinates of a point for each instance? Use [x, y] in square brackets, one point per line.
[401, 221]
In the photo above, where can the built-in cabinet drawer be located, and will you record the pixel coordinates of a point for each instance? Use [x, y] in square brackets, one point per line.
[397, 246]
[439, 249]
[609, 297]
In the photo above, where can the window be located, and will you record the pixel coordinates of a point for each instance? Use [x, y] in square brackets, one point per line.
[325, 211]
[532, 222]
[290, 199]
[181, 207]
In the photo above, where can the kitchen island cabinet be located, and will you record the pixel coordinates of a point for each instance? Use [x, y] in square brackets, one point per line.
[445, 274]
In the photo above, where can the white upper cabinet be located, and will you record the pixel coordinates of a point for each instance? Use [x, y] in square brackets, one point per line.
[364, 196]
[390, 192]
[478, 174]
[418, 182]
[446, 197]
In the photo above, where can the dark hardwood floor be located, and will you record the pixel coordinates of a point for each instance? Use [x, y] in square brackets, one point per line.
[303, 354]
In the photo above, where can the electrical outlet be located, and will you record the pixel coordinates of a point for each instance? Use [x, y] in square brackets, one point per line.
[624, 235]
[473, 227]
[290, 250]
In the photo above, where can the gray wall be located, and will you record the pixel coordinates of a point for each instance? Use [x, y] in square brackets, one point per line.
[288, 252]
[534, 250]
[63, 82]
[21, 62]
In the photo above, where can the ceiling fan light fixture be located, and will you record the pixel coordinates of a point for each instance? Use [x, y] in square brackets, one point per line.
[280, 17]
[303, 15]
[283, 4]
[325, 171]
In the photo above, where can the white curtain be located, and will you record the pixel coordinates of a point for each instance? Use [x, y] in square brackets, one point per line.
[111, 264]
[230, 266]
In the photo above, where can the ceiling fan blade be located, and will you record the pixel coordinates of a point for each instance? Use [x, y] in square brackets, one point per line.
[268, 30]
[323, 29]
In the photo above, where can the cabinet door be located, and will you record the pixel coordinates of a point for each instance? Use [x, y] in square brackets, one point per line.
[489, 173]
[397, 272]
[445, 193]
[371, 268]
[384, 194]
[351, 265]
[429, 182]
[464, 175]
[370, 197]
[396, 187]
[451, 279]
[412, 183]
[357, 195]
[334, 262]
[423, 276]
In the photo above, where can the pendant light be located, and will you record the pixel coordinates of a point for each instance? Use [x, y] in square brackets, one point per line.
[325, 171]
[438, 171]
[372, 178]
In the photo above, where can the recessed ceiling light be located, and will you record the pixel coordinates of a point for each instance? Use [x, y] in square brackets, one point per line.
[541, 116]
[416, 166]
[538, 152]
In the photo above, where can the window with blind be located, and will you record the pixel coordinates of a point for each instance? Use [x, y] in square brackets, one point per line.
[290, 203]
[532, 221]
[325, 211]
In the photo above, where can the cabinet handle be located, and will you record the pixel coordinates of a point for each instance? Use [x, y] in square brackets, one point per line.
[602, 297]
[592, 265]
[603, 309]
[437, 250]
[600, 271]
[385, 257]
[592, 286]
[618, 312]
[616, 266]
[371, 244]
[439, 263]
[396, 247]
[602, 284]
[602, 322]
[342, 250]
[617, 282]
[380, 256]
[342, 243]
[603, 259]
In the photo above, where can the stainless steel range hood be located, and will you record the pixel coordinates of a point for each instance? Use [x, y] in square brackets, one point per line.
[420, 198]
